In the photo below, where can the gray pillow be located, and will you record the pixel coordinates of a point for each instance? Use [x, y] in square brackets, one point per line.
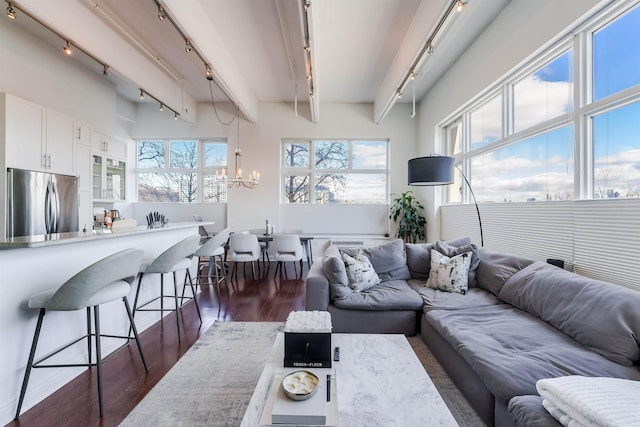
[450, 250]
[388, 260]
[496, 267]
[601, 316]
[336, 273]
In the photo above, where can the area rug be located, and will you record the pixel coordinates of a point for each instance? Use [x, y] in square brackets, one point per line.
[212, 384]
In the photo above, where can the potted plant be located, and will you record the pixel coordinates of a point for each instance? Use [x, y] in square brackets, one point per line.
[406, 211]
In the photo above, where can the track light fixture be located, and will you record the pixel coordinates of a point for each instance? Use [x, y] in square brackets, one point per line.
[67, 49]
[461, 5]
[161, 13]
[187, 46]
[161, 107]
[208, 72]
[105, 70]
[11, 12]
[141, 94]
[175, 116]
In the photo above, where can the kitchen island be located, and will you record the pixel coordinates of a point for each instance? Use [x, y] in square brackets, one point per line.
[32, 264]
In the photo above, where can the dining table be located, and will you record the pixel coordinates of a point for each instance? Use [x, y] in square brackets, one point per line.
[305, 240]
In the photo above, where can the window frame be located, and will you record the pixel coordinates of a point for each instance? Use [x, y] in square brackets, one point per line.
[311, 171]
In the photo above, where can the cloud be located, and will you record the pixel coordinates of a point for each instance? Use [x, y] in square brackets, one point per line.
[536, 101]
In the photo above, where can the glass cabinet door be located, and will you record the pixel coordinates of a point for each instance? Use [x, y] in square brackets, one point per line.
[115, 179]
[96, 177]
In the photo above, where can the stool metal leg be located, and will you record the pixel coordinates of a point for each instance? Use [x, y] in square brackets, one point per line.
[32, 354]
[175, 295]
[96, 315]
[89, 346]
[193, 291]
[135, 331]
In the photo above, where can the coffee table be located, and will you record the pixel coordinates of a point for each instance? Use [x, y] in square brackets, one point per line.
[379, 381]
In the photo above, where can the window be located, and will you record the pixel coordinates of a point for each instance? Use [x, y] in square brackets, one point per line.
[616, 55]
[544, 94]
[181, 171]
[522, 147]
[342, 171]
[616, 152]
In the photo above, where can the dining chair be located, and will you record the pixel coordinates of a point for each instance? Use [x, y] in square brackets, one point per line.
[102, 282]
[286, 248]
[212, 249]
[243, 248]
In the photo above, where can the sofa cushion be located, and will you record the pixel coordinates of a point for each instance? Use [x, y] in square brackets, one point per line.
[510, 349]
[527, 411]
[601, 316]
[389, 295]
[453, 250]
[334, 270]
[389, 261]
[433, 299]
[360, 272]
[419, 256]
[449, 274]
[494, 268]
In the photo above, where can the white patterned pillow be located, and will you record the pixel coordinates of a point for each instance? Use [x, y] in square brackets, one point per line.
[449, 274]
[360, 272]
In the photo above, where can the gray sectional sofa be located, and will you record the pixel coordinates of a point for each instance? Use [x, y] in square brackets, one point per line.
[519, 321]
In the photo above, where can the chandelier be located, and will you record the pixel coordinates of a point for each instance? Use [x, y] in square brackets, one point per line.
[237, 180]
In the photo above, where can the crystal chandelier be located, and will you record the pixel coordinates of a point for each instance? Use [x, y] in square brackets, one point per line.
[237, 180]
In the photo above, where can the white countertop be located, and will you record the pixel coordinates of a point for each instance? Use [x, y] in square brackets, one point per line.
[76, 237]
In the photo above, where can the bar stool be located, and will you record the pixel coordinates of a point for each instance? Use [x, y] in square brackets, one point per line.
[178, 257]
[212, 248]
[104, 281]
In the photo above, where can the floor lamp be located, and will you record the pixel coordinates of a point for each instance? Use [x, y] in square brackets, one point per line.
[438, 170]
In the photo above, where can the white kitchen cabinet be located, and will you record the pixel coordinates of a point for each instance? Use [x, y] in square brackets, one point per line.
[108, 146]
[83, 167]
[37, 138]
[108, 178]
[83, 133]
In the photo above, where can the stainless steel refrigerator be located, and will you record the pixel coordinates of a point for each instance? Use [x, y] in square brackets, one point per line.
[41, 203]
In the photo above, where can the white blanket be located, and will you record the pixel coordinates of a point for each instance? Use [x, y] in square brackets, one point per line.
[577, 401]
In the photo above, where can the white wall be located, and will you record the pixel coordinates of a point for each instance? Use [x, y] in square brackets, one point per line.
[521, 30]
[260, 143]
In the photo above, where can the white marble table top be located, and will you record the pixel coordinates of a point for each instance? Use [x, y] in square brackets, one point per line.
[380, 382]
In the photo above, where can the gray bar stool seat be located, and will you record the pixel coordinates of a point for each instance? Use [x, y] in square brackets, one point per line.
[104, 281]
[177, 258]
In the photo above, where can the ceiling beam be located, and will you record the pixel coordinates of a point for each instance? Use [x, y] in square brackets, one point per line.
[426, 18]
[194, 21]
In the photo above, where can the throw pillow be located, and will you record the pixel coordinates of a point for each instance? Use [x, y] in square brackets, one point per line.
[446, 248]
[449, 273]
[360, 272]
[335, 272]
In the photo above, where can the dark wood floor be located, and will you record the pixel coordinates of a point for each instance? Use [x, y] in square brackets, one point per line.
[125, 382]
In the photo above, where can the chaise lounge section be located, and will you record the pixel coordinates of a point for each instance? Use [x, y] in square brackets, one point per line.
[518, 322]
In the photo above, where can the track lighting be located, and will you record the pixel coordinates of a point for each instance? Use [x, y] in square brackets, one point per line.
[399, 93]
[104, 70]
[161, 13]
[187, 46]
[175, 116]
[307, 5]
[67, 49]
[141, 94]
[412, 76]
[11, 12]
[161, 107]
[208, 72]
[461, 5]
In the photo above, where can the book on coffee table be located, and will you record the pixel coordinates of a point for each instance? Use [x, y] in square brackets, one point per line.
[319, 410]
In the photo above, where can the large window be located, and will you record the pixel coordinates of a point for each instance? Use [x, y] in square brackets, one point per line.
[335, 171]
[522, 144]
[181, 171]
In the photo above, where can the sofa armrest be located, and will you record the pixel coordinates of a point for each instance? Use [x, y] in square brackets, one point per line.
[317, 288]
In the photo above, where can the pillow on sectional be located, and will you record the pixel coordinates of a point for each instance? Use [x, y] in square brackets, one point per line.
[419, 256]
[496, 267]
[388, 260]
[360, 272]
[453, 250]
[336, 273]
[450, 274]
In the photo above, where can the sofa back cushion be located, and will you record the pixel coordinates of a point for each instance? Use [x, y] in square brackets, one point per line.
[601, 316]
[494, 268]
[419, 256]
[388, 260]
[336, 273]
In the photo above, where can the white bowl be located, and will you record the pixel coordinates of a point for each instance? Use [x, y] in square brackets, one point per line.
[300, 385]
